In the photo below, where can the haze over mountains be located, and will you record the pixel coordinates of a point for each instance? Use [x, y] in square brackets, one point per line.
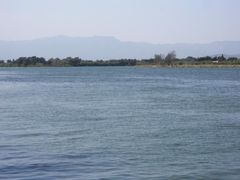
[104, 47]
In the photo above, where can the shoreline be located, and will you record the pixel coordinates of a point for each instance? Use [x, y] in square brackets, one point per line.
[142, 65]
[193, 66]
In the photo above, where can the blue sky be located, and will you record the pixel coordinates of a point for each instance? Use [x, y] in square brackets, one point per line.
[156, 21]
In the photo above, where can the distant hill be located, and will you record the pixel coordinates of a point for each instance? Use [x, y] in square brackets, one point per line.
[101, 47]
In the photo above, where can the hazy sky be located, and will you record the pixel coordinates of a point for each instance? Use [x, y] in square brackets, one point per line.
[157, 21]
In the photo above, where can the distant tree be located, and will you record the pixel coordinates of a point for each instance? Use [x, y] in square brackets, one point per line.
[158, 58]
[72, 61]
[221, 58]
[190, 58]
[170, 57]
[54, 62]
[9, 61]
[206, 58]
[29, 61]
[232, 59]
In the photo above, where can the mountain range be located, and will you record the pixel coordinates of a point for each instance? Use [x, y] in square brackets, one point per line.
[106, 47]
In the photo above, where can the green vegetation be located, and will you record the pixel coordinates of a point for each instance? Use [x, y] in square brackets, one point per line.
[66, 62]
[160, 60]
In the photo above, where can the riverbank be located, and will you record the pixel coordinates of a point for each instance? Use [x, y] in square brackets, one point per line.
[143, 65]
[192, 66]
[158, 61]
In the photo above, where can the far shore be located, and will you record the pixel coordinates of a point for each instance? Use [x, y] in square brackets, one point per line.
[137, 65]
[143, 66]
[193, 66]
[161, 61]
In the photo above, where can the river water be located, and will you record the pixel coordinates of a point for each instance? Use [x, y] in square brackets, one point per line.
[120, 123]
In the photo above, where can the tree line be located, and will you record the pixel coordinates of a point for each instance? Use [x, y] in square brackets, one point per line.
[159, 59]
[65, 62]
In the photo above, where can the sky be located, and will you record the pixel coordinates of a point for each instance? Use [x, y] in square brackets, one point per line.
[153, 21]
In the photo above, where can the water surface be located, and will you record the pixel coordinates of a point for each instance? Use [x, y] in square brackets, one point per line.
[119, 123]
